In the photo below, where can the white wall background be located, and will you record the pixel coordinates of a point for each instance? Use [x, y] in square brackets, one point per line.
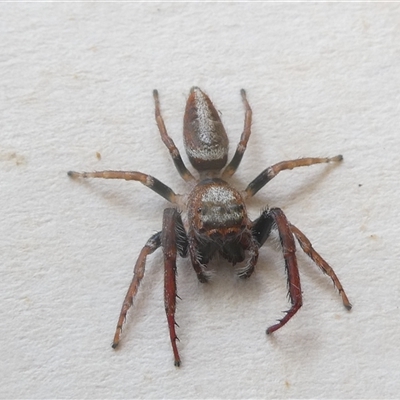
[77, 79]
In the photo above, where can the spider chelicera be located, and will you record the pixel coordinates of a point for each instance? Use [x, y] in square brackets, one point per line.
[216, 220]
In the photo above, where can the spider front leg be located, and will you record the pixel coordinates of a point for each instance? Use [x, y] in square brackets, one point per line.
[152, 245]
[172, 237]
[262, 227]
[269, 173]
[173, 240]
[261, 230]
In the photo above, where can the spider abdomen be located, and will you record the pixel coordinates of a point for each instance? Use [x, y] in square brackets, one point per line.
[206, 142]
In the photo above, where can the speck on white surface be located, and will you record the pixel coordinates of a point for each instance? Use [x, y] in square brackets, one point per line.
[76, 94]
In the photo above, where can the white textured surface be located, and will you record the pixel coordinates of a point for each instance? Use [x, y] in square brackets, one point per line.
[77, 79]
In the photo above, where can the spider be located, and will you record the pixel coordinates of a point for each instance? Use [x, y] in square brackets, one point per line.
[216, 220]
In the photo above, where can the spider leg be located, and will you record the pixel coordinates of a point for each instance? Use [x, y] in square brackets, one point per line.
[241, 147]
[147, 180]
[173, 150]
[170, 238]
[262, 179]
[321, 263]
[152, 244]
[275, 216]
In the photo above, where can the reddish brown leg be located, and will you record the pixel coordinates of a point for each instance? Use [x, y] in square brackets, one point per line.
[152, 244]
[262, 179]
[147, 180]
[173, 150]
[241, 147]
[289, 250]
[169, 242]
[321, 263]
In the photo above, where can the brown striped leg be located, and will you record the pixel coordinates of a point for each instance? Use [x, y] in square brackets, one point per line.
[241, 147]
[292, 270]
[321, 263]
[173, 150]
[262, 179]
[169, 240]
[152, 244]
[147, 180]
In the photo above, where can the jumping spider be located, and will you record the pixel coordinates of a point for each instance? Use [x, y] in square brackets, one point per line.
[216, 219]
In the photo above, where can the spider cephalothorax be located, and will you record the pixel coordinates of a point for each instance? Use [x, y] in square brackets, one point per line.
[216, 217]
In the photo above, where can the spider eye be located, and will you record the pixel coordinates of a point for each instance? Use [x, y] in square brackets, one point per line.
[203, 210]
